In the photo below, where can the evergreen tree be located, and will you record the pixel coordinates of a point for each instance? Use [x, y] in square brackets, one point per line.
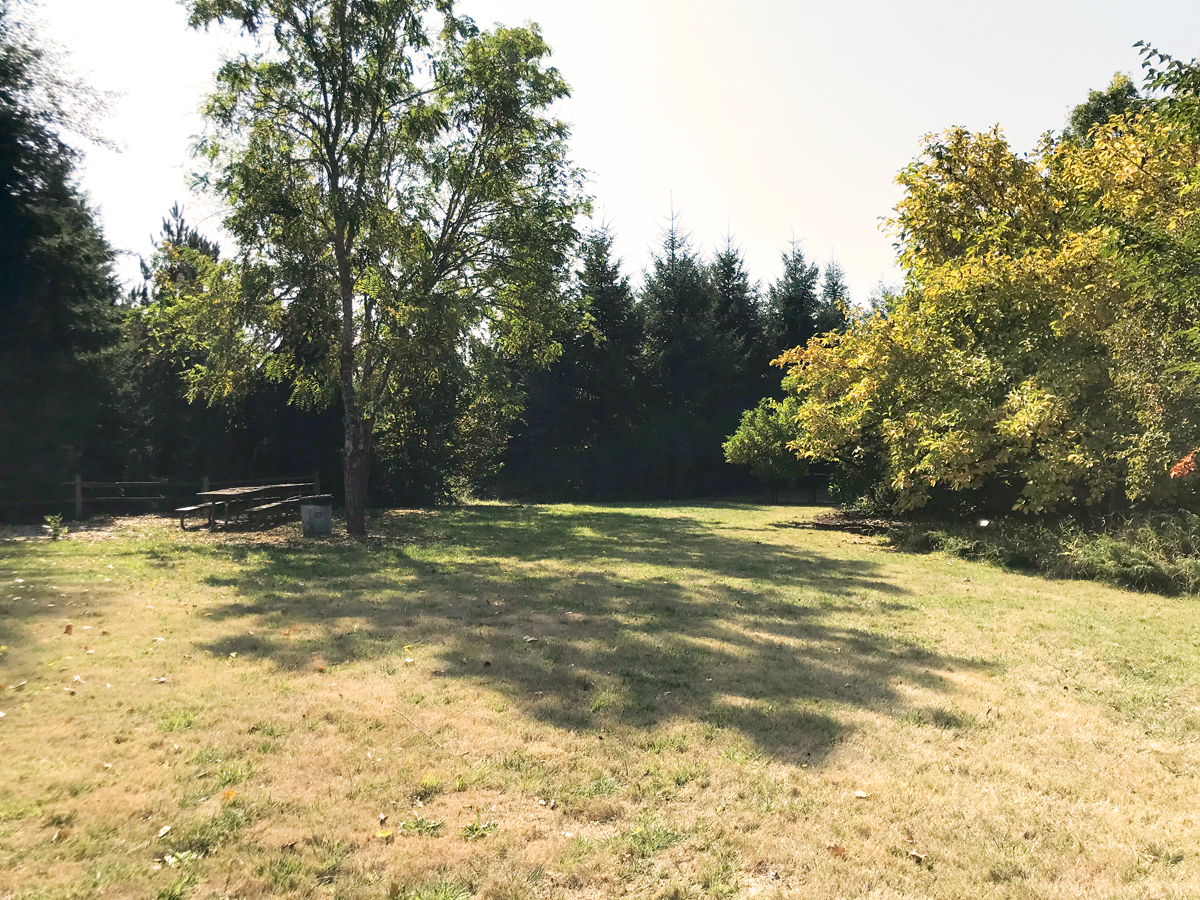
[691, 362]
[831, 314]
[582, 416]
[738, 311]
[57, 291]
[793, 303]
[739, 317]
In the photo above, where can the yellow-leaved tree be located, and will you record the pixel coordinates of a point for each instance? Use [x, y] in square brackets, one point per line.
[1041, 354]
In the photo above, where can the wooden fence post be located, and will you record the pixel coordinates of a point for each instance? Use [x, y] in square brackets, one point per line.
[78, 496]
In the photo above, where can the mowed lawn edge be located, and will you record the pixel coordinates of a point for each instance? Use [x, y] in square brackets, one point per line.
[580, 701]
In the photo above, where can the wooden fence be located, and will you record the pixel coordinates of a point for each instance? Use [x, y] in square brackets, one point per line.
[141, 496]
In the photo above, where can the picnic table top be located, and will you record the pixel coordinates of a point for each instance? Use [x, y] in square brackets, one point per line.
[260, 490]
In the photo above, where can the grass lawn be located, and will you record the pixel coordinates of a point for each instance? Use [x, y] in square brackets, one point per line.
[584, 701]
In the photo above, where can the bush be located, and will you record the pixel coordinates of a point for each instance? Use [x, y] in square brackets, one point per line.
[1014, 545]
[1159, 552]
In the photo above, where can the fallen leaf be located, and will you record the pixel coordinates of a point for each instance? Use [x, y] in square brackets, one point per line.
[162, 680]
[529, 640]
[21, 686]
[861, 795]
[68, 629]
[916, 857]
[228, 795]
[408, 660]
[289, 846]
[162, 832]
[836, 850]
[386, 836]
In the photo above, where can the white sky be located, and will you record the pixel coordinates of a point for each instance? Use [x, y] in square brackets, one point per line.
[766, 119]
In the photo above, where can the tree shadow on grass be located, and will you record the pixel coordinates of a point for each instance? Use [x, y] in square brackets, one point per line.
[596, 618]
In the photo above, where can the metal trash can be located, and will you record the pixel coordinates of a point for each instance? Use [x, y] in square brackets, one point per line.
[316, 515]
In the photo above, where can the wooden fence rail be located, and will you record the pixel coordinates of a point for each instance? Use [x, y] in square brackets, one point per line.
[135, 492]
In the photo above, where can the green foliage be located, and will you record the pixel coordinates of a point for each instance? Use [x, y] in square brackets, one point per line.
[761, 442]
[423, 826]
[1159, 552]
[1155, 552]
[57, 293]
[386, 226]
[801, 304]
[473, 831]
[1119, 99]
[54, 527]
[1038, 357]
[693, 372]
[792, 302]
[578, 435]
[739, 316]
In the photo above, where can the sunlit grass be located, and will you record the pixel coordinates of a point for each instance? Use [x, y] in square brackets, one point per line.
[561, 701]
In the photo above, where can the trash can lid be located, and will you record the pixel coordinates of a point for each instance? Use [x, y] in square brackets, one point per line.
[317, 500]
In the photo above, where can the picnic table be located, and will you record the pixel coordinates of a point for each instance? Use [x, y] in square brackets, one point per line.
[251, 500]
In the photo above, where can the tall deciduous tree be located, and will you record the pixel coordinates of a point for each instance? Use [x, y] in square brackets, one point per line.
[1042, 353]
[395, 194]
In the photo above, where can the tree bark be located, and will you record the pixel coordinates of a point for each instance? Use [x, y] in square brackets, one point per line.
[356, 463]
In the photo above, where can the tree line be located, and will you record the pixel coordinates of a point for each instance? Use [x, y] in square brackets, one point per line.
[406, 297]
[1043, 354]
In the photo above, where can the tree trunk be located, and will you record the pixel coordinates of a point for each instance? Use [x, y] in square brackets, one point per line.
[356, 470]
[356, 463]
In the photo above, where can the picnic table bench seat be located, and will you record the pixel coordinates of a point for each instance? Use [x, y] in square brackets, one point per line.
[184, 510]
[286, 505]
[275, 506]
[254, 502]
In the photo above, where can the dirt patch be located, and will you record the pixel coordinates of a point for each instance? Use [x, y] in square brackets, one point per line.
[867, 526]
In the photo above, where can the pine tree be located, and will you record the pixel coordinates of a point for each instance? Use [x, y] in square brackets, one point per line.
[739, 317]
[583, 414]
[835, 300]
[57, 291]
[691, 366]
[793, 303]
